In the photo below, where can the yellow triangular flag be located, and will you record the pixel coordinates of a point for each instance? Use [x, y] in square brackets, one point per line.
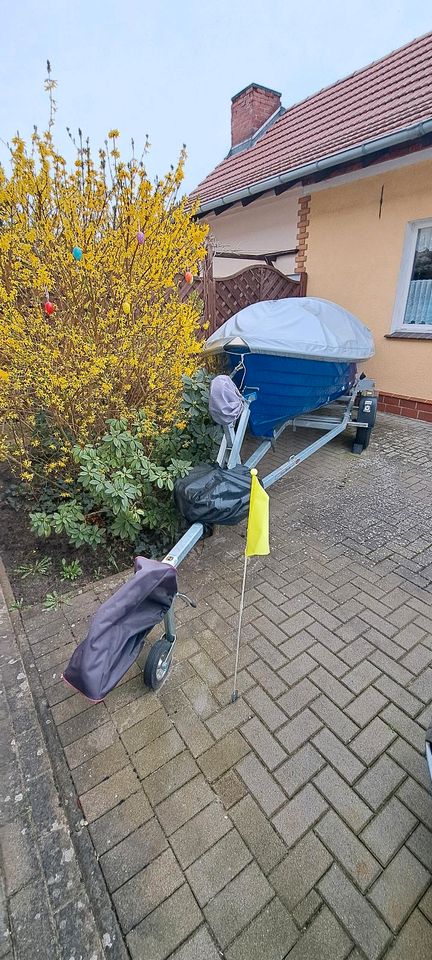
[257, 540]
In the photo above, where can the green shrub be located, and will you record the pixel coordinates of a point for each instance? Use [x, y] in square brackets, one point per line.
[124, 488]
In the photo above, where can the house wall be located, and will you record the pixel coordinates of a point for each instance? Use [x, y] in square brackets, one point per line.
[354, 258]
[266, 225]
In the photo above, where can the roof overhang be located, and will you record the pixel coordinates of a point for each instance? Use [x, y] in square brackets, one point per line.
[405, 135]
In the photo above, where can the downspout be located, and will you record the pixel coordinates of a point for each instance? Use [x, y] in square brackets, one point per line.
[336, 159]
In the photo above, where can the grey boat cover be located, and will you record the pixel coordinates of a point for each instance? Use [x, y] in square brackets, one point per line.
[225, 401]
[304, 327]
[119, 628]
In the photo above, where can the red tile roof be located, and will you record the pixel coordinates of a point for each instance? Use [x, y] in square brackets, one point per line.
[384, 97]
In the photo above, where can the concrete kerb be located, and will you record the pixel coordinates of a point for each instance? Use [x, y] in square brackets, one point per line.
[97, 892]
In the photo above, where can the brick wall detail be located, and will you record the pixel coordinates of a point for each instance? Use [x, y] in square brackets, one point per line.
[406, 406]
[303, 220]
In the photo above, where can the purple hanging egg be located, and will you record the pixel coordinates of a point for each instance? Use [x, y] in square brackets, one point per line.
[140, 237]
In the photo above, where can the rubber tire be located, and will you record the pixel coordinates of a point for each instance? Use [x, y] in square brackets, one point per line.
[158, 652]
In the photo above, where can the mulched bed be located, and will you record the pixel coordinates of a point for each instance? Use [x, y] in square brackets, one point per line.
[18, 545]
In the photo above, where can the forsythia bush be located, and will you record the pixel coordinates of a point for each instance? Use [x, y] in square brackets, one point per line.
[92, 327]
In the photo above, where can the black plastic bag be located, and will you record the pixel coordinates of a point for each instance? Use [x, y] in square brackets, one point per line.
[210, 494]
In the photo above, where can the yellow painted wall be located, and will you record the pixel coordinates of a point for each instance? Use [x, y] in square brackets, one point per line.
[354, 259]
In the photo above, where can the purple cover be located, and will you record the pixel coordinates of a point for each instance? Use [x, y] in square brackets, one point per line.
[119, 628]
[225, 401]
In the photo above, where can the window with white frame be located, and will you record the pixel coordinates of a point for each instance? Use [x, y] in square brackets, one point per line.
[413, 308]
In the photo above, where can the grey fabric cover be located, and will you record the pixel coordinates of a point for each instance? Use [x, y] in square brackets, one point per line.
[209, 494]
[119, 628]
[297, 327]
[225, 401]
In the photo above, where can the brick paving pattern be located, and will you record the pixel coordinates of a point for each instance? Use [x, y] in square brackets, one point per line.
[297, 822]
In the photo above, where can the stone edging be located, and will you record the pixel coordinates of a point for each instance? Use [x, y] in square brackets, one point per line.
[97, 892]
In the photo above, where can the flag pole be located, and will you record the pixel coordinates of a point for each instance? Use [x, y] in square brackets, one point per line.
[235, 692]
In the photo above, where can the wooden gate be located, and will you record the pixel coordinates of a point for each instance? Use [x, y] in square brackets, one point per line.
[225, 296]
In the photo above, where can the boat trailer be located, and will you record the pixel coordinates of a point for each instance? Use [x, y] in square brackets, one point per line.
[356, 409]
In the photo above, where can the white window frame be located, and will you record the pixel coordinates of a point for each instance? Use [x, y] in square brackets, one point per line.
[405, 272]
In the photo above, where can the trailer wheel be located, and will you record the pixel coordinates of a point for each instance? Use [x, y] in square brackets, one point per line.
[367, 411]
[158, 663]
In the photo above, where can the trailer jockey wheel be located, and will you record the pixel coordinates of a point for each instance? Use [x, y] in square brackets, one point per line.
[157, 665]
[367, 411]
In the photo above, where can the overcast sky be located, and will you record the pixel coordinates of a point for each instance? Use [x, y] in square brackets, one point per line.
[169, 69]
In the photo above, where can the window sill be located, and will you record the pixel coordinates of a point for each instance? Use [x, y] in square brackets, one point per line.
[408, 335]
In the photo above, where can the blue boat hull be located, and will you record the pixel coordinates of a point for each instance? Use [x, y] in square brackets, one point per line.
[290, 386]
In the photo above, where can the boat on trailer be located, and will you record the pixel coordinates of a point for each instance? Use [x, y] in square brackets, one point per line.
[293, 363]
[297, 355]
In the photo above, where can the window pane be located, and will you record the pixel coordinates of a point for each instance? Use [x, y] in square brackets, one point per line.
[419, 302]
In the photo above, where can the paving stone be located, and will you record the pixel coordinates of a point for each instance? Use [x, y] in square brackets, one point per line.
[238, 903]
[340, 796]
[258, 834]
[158, 935]
[409, 636]
[261, 784]
[382, 779]
[417, 659]
[420, 843]
[297, 771]
[324, 938]
[411, 761]
[361, 676]
[224, 691]
[300, 870]
[426, 904]
[270, 610]
[223, 755]
[145, 891]
[398, 888]
[298, 730]
[328, 660]
[417, 800]
[333, 688]
[44, 802]
[230, 789]
[200, 946]
[263, 743]
[246, 657]
[18, 851]
[352, 629]
[367, 930]
[348, 850]
[228, 718]
[60, 867]
[200, 698]
[184, 804]
[297, 669]
[334, 718]
[272, 683]
[129, 689]
[109, 793]
[299, 814]
[208, 875]
[142, 733]
[139, 709]
[388, 666]
[118, 823]
[388, 830]
[76, 931]
[366, 706]
[297, 645]
[414, 940]
[338, 755]
[266, 709]
[298, 697]
[90, 745]
[422, 685]
[265, 648]
[170, 777]
[99, 768]
[132, 854]
[200, 833]
[270, 935]
[373, 740]
[306, 909]
[193, 731]
[407, 728]
[157, 753]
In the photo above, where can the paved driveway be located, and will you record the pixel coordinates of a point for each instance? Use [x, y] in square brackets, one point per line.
[296, 822]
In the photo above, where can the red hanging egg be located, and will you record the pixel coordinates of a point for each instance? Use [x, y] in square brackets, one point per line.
[49, 308]
[188, 277]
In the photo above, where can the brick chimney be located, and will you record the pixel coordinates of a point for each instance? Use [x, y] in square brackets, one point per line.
[250, 109]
